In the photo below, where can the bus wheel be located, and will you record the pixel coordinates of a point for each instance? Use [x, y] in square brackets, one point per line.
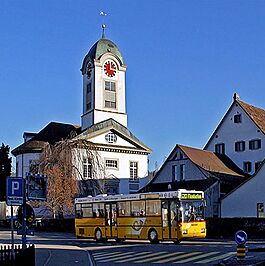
[177, 241]
[98, 235]
[152, 236]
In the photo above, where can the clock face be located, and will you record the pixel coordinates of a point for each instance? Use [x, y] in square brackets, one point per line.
[110, 69]
[89, 69]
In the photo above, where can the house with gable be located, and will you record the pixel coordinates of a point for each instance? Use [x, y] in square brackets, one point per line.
[241, 135]
[249, 194]
[195, 169]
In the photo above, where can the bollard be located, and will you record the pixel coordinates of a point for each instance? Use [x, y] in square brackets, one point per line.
[241, 251]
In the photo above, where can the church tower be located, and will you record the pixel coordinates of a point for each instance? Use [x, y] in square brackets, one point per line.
[103, 73]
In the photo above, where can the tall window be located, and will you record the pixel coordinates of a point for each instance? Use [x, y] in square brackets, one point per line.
[110, 94]
[240, 146]
[260, 210]
[174, 172]
[255, 144]
[88, 97]
[237, 118]
[247, 167]
[220, 148]
[87, 168]
[182, 172]
[133, 170]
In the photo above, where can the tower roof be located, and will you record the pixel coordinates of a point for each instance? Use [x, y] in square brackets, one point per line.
[101, 47]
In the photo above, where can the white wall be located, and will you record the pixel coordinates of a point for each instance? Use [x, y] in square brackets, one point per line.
[243, 201]
[25, 158]
[231, 132]
[124, 164]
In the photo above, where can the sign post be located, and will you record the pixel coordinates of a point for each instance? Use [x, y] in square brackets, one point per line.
[241, 239]
[14, 197]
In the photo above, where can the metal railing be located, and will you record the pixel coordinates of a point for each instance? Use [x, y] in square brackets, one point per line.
[19, 256]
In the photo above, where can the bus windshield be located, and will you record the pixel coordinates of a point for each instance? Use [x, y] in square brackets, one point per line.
[192, 211]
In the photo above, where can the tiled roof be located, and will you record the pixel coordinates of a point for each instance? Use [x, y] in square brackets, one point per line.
[207, 160]
[52, 133]
[255, 113]
[30, 146]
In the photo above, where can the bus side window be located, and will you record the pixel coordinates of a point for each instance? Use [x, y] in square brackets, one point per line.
[153, 208]
[124, 208]
[98, 210]
[138, 208]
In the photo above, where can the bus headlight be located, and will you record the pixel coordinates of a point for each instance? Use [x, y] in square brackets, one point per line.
[203, 230]
[185, 231]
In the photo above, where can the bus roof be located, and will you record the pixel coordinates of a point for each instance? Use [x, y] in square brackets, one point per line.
[181, 194]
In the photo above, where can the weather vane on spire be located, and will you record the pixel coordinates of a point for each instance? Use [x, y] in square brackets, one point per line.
[103, 14]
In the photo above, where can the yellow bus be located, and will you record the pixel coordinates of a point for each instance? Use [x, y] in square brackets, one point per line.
[171, 215]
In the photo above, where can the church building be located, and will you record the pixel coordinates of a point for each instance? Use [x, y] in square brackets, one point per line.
[103, 122]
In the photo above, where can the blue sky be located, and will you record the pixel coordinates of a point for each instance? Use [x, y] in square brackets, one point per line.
[185, 60]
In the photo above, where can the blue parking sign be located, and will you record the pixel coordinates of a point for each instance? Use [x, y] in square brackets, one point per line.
[14, 190]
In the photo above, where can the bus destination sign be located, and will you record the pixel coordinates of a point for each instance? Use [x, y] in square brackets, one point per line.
[191, 196]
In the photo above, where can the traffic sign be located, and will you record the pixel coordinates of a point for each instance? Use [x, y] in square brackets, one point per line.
[36, 187]
[14, 190]
[241, 237]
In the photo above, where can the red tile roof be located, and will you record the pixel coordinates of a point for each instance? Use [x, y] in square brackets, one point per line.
[255, 113]
[207, 160]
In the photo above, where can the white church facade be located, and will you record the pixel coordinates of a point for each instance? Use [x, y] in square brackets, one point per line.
[103, 122]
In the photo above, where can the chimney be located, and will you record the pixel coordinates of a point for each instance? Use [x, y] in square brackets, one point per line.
[236, 97]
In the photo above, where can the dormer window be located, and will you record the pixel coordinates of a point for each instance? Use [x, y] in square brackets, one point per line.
[237, 118]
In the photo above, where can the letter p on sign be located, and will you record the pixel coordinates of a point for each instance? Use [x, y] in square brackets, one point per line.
[15, 187]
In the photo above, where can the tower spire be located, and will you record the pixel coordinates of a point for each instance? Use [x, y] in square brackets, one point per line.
[103, 14]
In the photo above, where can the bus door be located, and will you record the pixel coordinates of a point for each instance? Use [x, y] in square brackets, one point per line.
[111, 219]
[166, 219]
[174, 219]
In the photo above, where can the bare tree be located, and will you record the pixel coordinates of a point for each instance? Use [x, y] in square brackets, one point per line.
[63, 165]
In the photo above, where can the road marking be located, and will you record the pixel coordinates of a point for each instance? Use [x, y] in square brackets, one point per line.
[49, 258]
[197, 257]
[216, 258]
[115, 257]
[178, 257]
[99, 253]
[159, 257]
[106, 254]
[142, 257]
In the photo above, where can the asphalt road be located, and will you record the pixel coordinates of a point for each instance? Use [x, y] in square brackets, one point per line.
[64, 249]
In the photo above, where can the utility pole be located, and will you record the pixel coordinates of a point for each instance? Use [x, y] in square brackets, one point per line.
[24, 219]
